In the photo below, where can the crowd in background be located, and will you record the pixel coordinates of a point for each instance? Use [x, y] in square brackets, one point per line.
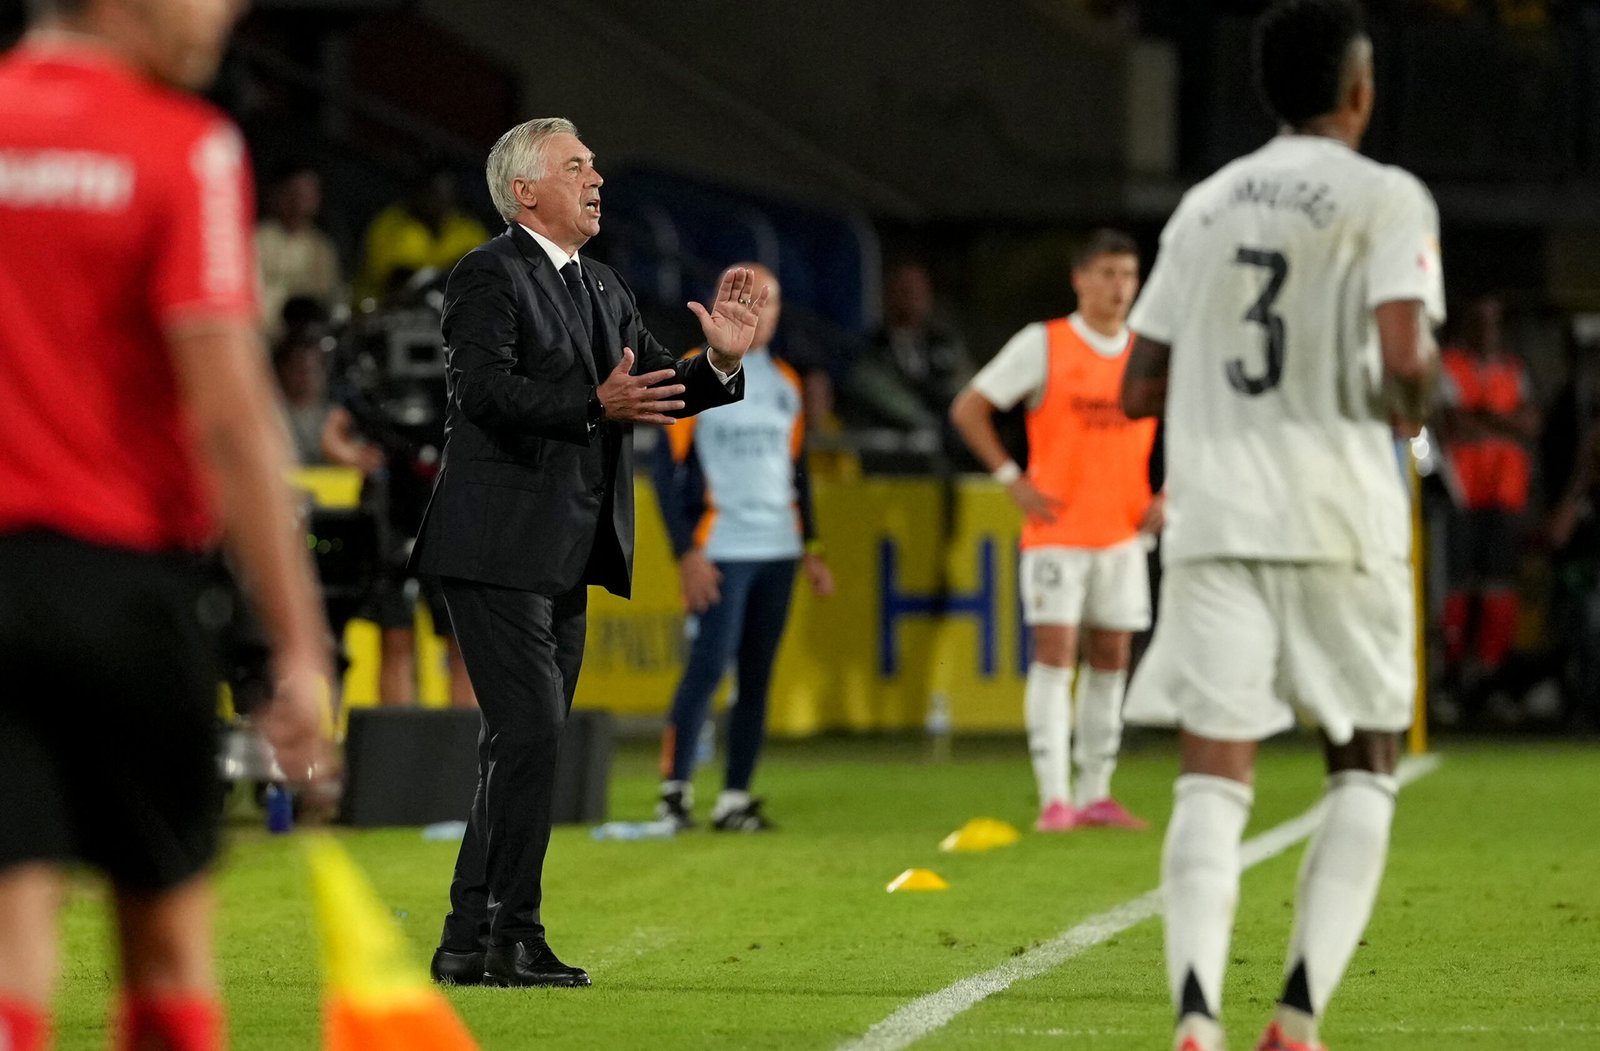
[1515, 538]
[339, 416]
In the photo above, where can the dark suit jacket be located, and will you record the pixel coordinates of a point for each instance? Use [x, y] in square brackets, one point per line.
[529, 496]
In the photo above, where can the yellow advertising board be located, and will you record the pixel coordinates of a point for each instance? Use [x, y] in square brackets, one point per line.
[926, 604]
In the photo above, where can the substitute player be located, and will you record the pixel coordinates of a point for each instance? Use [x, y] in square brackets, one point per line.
[1087, 506]
[136, 423]
[1291, 306]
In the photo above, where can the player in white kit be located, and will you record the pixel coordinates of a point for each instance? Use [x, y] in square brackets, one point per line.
[1284, 332]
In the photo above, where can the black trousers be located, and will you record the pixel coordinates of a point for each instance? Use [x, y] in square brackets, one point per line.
[523, 652]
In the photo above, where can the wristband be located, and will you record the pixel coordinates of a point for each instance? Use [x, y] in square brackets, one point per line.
[816, 548]
[1006, 473]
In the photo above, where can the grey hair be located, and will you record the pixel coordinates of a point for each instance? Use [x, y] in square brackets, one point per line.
[519, 154]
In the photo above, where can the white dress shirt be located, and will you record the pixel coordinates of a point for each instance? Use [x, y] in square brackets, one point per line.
[560, 259]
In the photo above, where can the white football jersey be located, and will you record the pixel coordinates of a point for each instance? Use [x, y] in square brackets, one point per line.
[1277, 444]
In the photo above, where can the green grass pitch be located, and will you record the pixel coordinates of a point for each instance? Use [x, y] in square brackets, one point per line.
[1487, 932]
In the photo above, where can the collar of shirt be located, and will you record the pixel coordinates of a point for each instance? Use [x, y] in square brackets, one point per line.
[1101, 344]
[82, 49]
[561, 259]
[551, 249]
[1294, 140]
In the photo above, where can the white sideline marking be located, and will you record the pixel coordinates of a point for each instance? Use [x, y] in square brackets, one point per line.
[928, 1013]
[1371, 1030]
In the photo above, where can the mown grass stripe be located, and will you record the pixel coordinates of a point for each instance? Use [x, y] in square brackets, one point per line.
[932, 1012]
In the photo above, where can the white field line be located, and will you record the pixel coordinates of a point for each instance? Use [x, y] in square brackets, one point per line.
[927, 1014]
[1370, 1030]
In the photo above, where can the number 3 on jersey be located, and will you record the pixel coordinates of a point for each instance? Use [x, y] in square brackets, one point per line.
[1261, 313]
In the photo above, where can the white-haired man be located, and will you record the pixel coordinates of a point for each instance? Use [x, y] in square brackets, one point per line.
[548, 367]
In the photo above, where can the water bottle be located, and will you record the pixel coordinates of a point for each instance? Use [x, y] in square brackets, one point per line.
[628, 831]
[705, 749]
[938, 725]
[280, 808]
[445, 831]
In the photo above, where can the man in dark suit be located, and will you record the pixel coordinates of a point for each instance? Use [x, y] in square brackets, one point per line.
[549, 367]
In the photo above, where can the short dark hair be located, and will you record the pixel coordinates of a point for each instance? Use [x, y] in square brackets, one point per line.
[289, 167]
[1300, 51]
[1104, 241]
[38, 9]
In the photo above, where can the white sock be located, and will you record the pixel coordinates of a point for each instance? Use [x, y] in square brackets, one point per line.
[1296, 1025]
[1099, 731]
[1047, 708]
[679, 786]
[729, 801]
[1202, 1030]
[1200, 884]
[1339, 879]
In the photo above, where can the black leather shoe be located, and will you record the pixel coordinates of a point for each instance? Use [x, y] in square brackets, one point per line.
[449, 967]
[531, 963]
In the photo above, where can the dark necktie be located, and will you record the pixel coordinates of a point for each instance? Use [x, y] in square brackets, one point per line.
[580, 297]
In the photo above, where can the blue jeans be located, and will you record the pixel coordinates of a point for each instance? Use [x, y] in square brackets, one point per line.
[747, 623]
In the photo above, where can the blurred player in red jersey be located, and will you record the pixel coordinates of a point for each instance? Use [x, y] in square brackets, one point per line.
[1487, 419]
[137, 426]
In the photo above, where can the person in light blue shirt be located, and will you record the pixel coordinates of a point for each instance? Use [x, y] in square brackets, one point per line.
[736, 499]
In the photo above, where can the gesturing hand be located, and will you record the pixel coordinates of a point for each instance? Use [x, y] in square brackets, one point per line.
[636, 399]
[730, 325]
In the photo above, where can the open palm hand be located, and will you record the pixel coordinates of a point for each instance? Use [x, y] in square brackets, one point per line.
[730, 324]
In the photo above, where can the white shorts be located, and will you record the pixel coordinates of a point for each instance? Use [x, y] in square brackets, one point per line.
[1106, 588]
[1242, 645]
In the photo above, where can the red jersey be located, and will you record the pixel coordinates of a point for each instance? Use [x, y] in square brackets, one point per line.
[1494, 471]
[125, 209]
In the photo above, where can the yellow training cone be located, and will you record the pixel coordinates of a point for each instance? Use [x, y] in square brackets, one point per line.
[979, 834]
[376, 998]
[918, 879]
